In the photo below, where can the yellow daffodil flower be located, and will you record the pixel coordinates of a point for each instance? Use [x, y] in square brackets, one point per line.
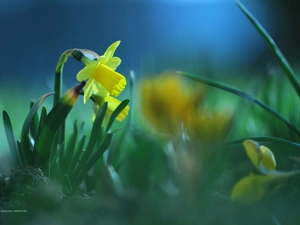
[112, 104]
[253, 188]
[101, 75]
[166, 102]
[209, 125]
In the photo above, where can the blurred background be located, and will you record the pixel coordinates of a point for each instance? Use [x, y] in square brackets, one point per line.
[206, 37]
[156, 34]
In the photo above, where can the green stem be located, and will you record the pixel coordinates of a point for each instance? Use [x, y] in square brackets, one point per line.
[274, 48]
[241, 94]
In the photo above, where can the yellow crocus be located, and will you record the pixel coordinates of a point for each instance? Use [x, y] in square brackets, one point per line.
[101, 75]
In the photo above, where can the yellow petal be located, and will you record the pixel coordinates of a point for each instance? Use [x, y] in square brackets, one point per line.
[253, 152]
[110, 51]
[88, 89]
[268, 160]
[113, 103]
[260, 156]
[251, 189]
[100, 90]
[113, 63]
[112, 81]
[86, 72]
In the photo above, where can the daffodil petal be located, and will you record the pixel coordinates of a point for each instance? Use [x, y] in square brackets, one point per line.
[268, 160]
[100, 90]
[88, 89]
[253, 152]
[86, 72]
[113, 63]
[251, 189]
[113, 103]
[110, 51]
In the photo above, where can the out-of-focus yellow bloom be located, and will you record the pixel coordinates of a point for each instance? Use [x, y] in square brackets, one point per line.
[170, 104]
[101, 75]
[261, 156]
[253, 188]
[208, 125]
[112, 104]
[167, 102]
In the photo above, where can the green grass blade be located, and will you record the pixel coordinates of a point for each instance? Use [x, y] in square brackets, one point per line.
[52, 123]
[53, 160]
[115, 113]
[264, 138]
[22, 155]
[116, 181]
[25, 137]
[76, 157]
[87, 165]
[10, 138]
[67, 185]
[42, 117]
[274, 48]
[34, 124]
[96, 132]
[95, 138]
[69, 151]
[235, 91]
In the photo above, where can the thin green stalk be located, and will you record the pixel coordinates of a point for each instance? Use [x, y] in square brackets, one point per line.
[274, 48]
[58, 90]
[241, 94]
[264, 138]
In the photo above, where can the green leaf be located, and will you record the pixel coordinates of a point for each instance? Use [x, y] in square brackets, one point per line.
[87, 165]
[55, 157]
[97, 131]
[53, 121]
[42, 116]
[235, 91]
[274, 48]
[95, 138]
[70, 150]
[266, 138]
[25, 137]
[35, 123]
[22, 155]
[116, 181]
[115, 113]
[76, 156]
[11, 138]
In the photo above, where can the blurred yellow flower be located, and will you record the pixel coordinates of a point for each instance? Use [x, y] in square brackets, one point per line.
[253, 188]
[101, 75]
[172, 106]
[112, 104]
[209, 125]
[166, 102]
[262, 157]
